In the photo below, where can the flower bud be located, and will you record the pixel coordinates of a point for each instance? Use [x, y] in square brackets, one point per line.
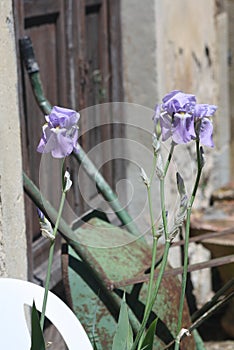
[144, 177]
[67, 181]
[45, 226]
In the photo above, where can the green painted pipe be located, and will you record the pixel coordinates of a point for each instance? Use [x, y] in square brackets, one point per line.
[106, 191]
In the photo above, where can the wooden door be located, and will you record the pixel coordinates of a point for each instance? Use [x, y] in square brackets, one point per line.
[77, 46]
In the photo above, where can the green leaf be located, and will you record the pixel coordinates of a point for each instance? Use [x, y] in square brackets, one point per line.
[180, 185]
[37, 339]
[148, 341]
[94, 345]
[130, 337]
[123, 338]
[198, 340]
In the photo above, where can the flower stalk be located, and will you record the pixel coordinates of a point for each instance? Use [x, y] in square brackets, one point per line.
[186, 244]
[155, 239]
[154, 293]
[50, 260]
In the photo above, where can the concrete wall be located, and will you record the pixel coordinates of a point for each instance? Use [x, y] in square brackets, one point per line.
[171, 45]
[13, 257]
[229, 9]
[140, 89]
[192, 56]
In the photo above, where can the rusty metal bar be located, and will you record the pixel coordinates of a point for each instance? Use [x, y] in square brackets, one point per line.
[205, 236]
[218, 295]
[176, 271]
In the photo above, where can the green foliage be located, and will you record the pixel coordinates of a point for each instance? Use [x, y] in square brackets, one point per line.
[123, 338]
[37, 338]
[94, 345]
[148, 341]
[198, 340]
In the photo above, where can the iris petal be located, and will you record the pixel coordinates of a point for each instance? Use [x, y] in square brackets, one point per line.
[204, 110]
[177, 101]
[166, 124]
[183, 128]
[206, 132]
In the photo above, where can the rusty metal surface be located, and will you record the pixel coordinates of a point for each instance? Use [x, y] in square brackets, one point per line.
[219, 218]
[104, 240]
[177, 271]
[209, 237]
[115, 264]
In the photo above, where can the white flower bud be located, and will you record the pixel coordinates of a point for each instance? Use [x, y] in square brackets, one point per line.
[144, 177]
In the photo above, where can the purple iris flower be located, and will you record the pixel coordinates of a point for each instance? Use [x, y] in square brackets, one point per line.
[182, 119]
[40, 214]
[60, 133]
[203, 124]
[175, 117]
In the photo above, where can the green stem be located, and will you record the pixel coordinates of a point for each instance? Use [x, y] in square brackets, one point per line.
[186, 245]
[72, 238]
[163, 208]
[169, 158]
[154, 247]
[153, 230]
[155, 239]
[165, 255]
[51, 254]
[154, 295]
[153, 168]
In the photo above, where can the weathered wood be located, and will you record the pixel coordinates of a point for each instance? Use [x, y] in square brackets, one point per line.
[71, 42]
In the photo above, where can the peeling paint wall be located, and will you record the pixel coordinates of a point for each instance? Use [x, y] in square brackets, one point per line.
[181, 45]
[13, 255]
[192, 53]
[229, 9]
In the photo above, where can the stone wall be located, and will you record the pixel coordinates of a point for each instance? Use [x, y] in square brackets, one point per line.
[181, 45]
[13, 257]
[192, 57]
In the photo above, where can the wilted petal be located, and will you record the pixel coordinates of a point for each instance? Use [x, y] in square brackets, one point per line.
[206, 132]
[183, 128]
[67, 181]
